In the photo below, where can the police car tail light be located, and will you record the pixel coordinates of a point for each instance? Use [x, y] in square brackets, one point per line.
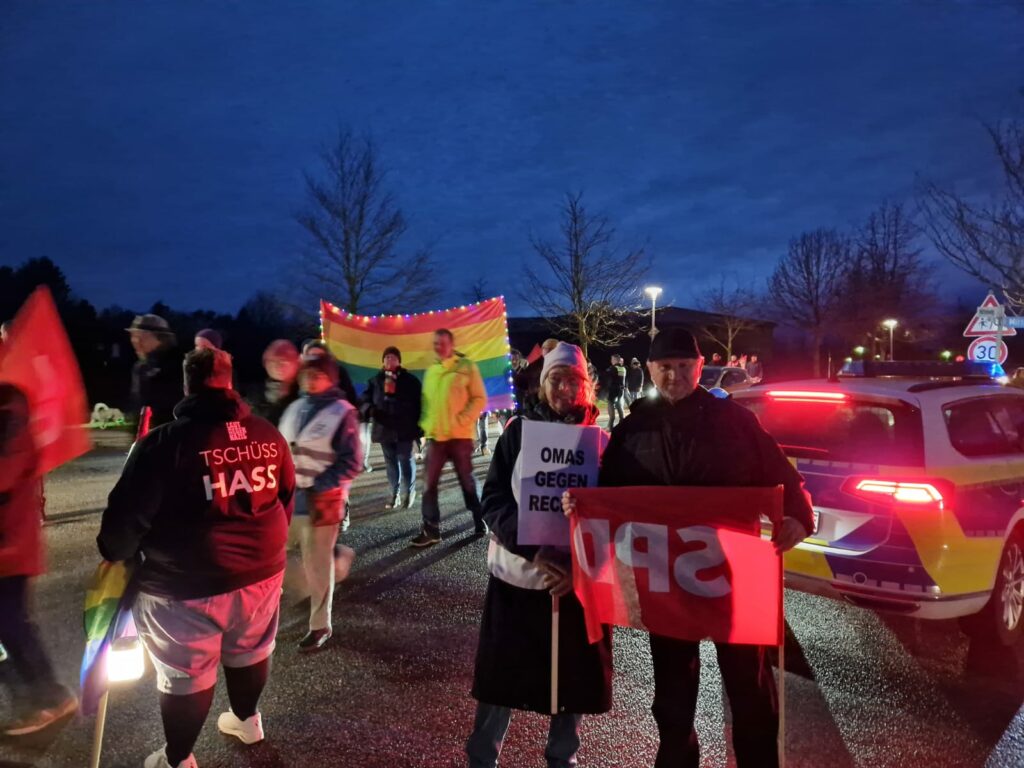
[910, 492]
[806, 396]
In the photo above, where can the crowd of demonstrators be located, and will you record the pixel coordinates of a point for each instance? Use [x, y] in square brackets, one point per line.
[453, 398]
[39, 700]
[688, 437]
[156, 377]
[322, 429]
[392, 403]
[207, 497]
[513, 659]
[615, 389]
[207, 501]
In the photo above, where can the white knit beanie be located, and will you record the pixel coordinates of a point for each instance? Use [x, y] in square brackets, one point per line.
[564, 354]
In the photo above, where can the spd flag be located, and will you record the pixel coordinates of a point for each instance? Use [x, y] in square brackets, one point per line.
[39, 361]
[684, 562]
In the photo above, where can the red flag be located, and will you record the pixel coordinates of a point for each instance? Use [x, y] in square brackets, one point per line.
[683, 562]
[535, 354]
[38, 360]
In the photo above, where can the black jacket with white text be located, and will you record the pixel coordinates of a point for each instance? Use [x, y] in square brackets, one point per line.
[206, 499]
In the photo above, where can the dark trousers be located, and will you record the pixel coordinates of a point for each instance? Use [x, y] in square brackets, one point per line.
[481, 430]
[460, 453]
[31, 675]
[400, 467]
[614, 405]
[749, 684]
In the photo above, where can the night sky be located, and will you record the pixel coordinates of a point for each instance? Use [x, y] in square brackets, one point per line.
[155, 150]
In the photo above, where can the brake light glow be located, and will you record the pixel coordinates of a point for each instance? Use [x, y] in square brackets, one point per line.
[806, 396]
[899, 492]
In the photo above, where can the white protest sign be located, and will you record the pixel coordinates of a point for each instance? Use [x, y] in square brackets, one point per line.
[555, 458]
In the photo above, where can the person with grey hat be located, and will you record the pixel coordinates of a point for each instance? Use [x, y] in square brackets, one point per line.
[322, 429]
[685, 436]
[156, 377]
[513, 657]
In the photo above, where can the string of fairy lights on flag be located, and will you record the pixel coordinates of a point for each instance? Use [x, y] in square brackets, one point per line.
[354, 319]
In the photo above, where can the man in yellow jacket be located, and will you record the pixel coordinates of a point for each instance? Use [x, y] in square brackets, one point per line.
[453, 399]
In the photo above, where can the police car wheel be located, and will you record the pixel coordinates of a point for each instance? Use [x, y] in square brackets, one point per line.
[1002, 618]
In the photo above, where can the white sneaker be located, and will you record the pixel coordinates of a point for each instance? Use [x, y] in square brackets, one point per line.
[343, 563]
[247, 731]
[159, 760]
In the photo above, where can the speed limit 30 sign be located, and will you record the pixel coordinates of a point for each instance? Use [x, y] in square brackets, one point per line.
[988, 349]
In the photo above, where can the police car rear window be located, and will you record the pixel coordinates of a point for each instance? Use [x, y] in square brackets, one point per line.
[857, 432]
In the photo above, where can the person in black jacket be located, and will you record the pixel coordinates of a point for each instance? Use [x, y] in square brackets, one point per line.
[634, 382]
[391, 402]
[615, 388]
[206, 500]
[513, 660]
[686, 436]
[156, 377]
[281, 389]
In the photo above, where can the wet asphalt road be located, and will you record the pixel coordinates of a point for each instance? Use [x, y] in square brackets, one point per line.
[392, 687]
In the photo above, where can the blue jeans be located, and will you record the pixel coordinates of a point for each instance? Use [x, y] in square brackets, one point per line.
[400, 467]
[491, 724]
[460, 453]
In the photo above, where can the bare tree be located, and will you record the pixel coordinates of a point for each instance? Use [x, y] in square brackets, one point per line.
[479, 289]
[886, 276]
[805, 287]
[985, 239]
[735, 307]
[586, 287]
[354, 226]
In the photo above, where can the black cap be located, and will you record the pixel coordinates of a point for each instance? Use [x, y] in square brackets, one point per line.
[391, 351]
[674, 342]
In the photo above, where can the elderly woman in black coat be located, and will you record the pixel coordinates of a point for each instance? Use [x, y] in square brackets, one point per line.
[513, 660]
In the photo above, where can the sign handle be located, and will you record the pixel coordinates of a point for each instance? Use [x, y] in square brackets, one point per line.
[97, 737]
[782, 668]
[554, 655]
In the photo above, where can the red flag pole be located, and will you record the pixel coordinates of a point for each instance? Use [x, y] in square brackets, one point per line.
[554, 655]
[782, 667]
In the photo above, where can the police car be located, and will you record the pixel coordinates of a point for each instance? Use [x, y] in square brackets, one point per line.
[916, 472]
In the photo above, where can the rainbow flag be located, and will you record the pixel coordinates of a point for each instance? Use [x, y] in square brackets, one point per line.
[108, 600]
[480, 330]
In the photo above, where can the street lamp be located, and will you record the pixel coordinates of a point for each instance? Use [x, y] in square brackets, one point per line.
[891, 325]
[946, 354]
[653, 291]
[859, 351]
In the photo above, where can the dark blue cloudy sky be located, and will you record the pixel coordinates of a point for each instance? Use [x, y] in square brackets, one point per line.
[155, 149]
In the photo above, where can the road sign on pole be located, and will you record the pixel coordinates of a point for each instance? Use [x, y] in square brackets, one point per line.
[1015, 322]
[988, 349]
[990, 319]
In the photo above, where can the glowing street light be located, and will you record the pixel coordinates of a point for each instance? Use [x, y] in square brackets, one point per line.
[859, 351]
[653, 291]
[946, 354]
[891, 325]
